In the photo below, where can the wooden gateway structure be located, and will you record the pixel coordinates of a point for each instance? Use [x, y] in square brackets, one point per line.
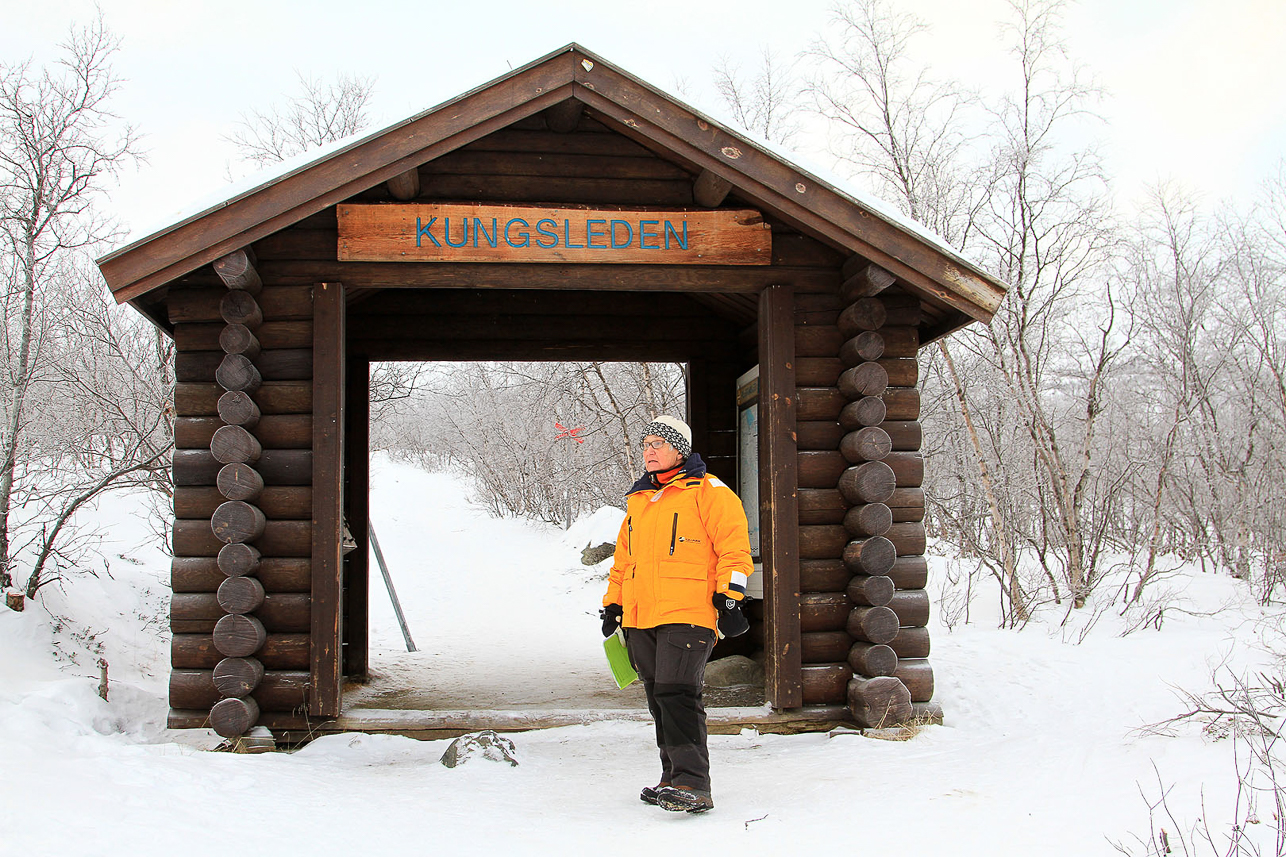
[565, 211]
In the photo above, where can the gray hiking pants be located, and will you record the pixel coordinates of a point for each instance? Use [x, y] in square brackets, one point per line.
[671, 660]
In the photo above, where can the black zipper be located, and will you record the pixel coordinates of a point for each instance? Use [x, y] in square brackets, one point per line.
[629, 536]
[674, 530]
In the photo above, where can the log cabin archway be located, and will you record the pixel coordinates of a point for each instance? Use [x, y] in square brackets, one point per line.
[276, 316]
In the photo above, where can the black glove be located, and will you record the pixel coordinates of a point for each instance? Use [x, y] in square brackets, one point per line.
[731, 621]
[611, 616]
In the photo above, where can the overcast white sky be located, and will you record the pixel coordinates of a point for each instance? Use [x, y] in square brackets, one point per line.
[1198, 87]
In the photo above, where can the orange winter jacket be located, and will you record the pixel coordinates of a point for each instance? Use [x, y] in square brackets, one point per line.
[678, 546]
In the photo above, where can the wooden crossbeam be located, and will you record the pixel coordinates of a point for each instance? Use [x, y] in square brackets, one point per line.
[863, 279]
[709, 190]
[405, 186]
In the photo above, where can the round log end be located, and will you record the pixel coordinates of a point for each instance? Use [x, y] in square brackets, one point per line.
[238, 559]
[879, 702]
[874, 591]
[238, 373]
[872, 660]
[236, 408]
[238, 339]
[237, 677]
[868, 411]
[233, 717]
[871, 482]
[240, 594]
[239, 481]
[877, 625]
[234, 445]
[874, 556]
[867, 345]
[869, 519]
[864, 314]
[239, 636]
[864, 379]
[236, 522]
[240, 307]
[869, 443]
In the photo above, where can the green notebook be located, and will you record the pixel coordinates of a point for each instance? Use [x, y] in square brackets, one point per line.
[619, 660]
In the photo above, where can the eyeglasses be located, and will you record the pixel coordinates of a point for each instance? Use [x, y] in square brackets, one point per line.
[654, 444]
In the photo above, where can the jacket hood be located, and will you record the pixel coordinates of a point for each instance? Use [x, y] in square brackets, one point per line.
[692, 468]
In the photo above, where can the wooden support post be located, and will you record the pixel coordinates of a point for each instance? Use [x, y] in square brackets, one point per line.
[327, 481]
[357, 502]
[778, 500]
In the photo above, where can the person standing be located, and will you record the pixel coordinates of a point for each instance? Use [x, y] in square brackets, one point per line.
[677, 580]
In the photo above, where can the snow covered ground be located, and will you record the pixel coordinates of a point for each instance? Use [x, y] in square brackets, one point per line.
[1041, 752]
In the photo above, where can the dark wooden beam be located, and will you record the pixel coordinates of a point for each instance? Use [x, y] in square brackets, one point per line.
[778, 499]
[745, 279]
[357, 502]
[237, 271]
[709, 189]
[328, 483]
[379, 348]
[863, 279]
[405, 186]
[563, 117]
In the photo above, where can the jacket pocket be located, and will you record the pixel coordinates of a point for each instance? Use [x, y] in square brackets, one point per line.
[674, 532]
[682, 585]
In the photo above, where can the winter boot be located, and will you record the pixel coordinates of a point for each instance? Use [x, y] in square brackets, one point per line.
[679, 799]
[648, 795]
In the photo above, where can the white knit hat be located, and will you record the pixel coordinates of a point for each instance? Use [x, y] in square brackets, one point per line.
[673, 431]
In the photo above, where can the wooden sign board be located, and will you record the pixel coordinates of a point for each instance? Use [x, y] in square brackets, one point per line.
[457, 232]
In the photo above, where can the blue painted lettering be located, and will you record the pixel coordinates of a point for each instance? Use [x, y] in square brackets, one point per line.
[446, 232]
[567, 237]
[591, 234]
[629, 235]
[479, 229]
[547, 233]
[644, 235]
[526, 236]
[422, 230]
[670, 230]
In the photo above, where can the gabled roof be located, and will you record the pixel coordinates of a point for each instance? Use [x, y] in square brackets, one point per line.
[637, 110]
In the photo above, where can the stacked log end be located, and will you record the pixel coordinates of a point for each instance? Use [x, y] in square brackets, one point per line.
[862, 543]
[241, 574]
[237, 522]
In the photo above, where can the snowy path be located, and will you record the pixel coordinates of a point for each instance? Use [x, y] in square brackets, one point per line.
[503, 616]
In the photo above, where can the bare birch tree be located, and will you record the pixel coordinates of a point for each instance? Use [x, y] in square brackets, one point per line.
[58, 145]
[321, 113]
[549, 441]
[892, 123]
[767, 101]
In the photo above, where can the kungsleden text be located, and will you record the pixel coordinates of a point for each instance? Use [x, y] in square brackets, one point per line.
[550, 234]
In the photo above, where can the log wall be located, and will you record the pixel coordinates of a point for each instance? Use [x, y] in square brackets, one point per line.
[863, 606]
[243, 503]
